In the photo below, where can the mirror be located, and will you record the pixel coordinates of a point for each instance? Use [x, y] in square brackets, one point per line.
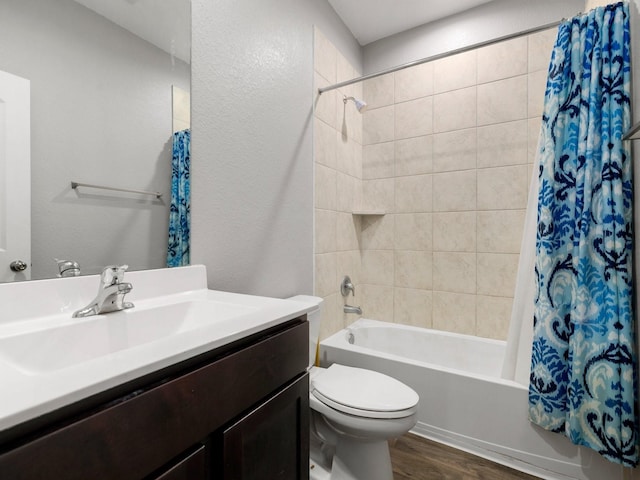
[102, 77]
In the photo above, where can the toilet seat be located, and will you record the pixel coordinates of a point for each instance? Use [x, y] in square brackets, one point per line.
[363, 393]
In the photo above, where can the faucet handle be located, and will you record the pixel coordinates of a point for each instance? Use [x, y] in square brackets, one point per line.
[113, 274]
[346, 286]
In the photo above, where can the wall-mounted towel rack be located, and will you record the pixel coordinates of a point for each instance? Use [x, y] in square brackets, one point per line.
[75, 185]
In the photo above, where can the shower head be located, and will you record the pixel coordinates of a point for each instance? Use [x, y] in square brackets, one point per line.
[360, 105]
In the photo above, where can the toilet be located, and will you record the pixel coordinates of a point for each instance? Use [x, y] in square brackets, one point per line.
[354, 412]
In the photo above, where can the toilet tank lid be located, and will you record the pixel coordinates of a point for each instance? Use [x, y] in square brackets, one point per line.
[310, 300]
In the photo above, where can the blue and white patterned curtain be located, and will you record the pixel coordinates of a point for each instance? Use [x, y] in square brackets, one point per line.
[583, 367]
[180, 210]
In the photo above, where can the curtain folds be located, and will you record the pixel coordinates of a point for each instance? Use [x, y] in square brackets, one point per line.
[180, 209]
[583, 366]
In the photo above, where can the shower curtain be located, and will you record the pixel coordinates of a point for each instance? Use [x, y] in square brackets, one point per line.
[583, 364]
[180, 209]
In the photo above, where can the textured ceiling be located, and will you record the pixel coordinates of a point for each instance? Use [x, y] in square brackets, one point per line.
[371, 20]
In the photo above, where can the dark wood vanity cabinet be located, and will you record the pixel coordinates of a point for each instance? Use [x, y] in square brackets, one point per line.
[239, 413]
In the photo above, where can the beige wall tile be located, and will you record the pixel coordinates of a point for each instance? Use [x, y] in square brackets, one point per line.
[324, 56]
[413, 194]
[324, 137]
[325, 231]
[540, 47]
[330, 322]
[378, 91]
[347, 188]
[412, 307]
[493, 317]
[454, 272]
[344, 71]
[533, 127]
[497, 274]
[413, 269]
[502, 100]
[377, 267]
[325, 104]
[503, 187]
[378, 160]
[378, 194]
[454, 191]
[413, 156]
[535, 98]
[454, 150]
[454, 312]
[325, 181]
[503, 144]
[347, 231]
[502, 60]
[379, 302]
[413, 231]
[378, 125]
[454, 72]
[454, 110]
[414, 82]
[377, 232]
[500, 231]
[348, 263]
[357, 156]
[346, 150]
[414, 118]
[454, 232]
[325, 274]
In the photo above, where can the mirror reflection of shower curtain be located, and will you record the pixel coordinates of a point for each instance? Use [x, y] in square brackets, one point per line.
[178, 253]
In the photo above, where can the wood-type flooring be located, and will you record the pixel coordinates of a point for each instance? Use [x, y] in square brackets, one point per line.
[416, 458]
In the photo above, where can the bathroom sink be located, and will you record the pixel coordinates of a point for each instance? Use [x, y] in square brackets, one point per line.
[70, 343]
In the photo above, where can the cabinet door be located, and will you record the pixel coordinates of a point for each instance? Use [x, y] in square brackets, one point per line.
[192, 467]
[272, 441]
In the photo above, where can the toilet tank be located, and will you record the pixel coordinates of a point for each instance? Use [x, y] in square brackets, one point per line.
[313, 316]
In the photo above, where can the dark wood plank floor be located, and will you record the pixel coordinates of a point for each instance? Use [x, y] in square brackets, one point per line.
[416, 458]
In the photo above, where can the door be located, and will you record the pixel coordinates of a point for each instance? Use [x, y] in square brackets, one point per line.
[15, 178]
[272, 441]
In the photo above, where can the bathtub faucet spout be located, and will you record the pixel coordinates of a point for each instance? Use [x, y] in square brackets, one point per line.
[351, 309]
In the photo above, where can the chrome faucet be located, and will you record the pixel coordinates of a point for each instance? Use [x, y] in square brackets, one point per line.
[352, 309]
[111, 293]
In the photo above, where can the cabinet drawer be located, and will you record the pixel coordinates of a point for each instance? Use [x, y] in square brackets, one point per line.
[131, 439]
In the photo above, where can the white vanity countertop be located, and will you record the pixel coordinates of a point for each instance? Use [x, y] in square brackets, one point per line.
[44, 368]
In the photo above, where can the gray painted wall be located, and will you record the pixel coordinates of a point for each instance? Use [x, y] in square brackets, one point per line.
[252, 100]
[486, 22]
[101, 113]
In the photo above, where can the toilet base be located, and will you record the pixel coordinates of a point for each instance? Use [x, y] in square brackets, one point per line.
[358, 460]
[355, 460]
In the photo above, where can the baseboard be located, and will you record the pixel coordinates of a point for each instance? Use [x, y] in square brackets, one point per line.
[518, 460]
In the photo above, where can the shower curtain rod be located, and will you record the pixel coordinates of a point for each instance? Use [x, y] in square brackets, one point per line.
[439, 56]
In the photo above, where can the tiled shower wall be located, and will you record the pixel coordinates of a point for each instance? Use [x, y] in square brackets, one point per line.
[447, 156]
[338, 182]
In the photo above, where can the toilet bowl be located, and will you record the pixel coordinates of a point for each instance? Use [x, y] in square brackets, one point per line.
[354, 412]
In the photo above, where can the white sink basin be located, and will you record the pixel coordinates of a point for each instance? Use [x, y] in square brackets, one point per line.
[49, 360]
[88, 338]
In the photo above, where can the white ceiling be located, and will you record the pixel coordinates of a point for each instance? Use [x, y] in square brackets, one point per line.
[371, 20]
[166, 23]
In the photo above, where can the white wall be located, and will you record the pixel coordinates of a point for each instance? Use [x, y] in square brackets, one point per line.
[488, 21]
[252, 94]
[75, 60]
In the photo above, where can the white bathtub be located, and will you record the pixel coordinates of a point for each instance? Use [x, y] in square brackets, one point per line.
[463, 401]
